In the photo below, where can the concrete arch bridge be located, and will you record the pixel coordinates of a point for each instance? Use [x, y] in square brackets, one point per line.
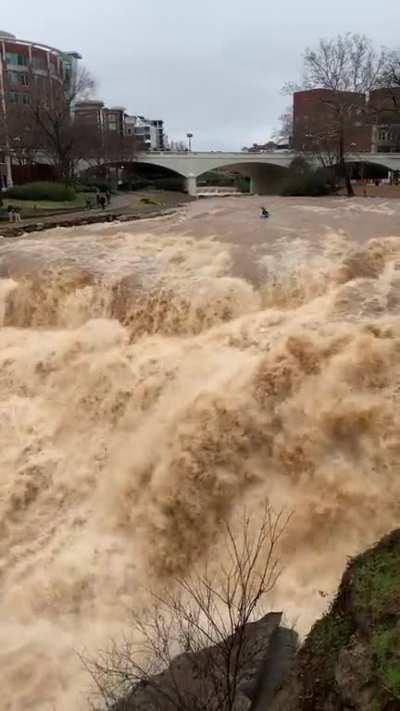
[257, 166]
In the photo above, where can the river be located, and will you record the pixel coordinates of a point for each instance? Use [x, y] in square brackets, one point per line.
[159, 375]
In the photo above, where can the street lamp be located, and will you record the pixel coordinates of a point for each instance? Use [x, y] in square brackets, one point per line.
[189, 137]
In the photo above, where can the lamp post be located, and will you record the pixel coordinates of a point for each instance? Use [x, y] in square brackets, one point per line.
[189, 137]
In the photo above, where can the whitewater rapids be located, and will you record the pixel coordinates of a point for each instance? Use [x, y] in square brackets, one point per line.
[155, 377]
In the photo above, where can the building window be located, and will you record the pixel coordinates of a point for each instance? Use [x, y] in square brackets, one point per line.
[41, 82]
[16, 60]
[39, 63]
[54, 71]
[13, 77]
[18, 78]
[19, 98]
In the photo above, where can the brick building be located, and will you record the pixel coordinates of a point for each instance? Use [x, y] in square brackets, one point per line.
[90, 113]
[25, 68]
[149, 132]
[315, 122]
[371, 123]
[385, 104]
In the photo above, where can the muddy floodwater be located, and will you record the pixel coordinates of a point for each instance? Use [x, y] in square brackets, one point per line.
[157, 376]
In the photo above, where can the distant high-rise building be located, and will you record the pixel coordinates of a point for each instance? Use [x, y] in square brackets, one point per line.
[149, 132]
[90, 113]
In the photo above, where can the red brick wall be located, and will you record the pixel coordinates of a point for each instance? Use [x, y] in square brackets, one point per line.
[29, 173]
[385, 99]
[315, 122]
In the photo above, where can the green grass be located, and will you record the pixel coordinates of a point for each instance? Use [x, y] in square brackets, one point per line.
[149, 201]
[376, 581]
[375, 705]
[376, 589]
[331, 634]
[385, 646]
[79, 202]
[42, 190]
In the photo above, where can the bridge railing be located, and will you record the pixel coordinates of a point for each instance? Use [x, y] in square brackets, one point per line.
[188, 154]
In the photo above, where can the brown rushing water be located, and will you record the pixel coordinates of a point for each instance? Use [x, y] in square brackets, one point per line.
[157, 376]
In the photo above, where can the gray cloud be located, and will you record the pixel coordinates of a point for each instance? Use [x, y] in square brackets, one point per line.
[214, 67]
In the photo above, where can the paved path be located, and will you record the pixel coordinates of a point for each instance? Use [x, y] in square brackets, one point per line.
[127, 206]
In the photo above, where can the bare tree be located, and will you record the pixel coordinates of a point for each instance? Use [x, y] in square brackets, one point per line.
[347, 68]
[51, 112]
[386, 101]
[188, 650]
[23, 135]
[390, 76]
[107, 151]
[285, 130]
[119, 148]
[178, 146]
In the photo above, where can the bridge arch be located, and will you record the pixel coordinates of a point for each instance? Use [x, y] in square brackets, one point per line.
[371, 167]
[386, 161]
[264, 176]
[257, 167]
[135, 170]
[228, 162]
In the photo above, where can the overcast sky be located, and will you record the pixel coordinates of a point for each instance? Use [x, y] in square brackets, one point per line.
[213, 67]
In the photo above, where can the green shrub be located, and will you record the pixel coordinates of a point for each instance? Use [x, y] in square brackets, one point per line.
[243, 183]
[132, 184]
[327, 638]
[300, 166]
[93, 183]
[213, 177]
[376, 581]
[386, 648]
[54, 192]
[303, 180]
[306, 184]
[86, 188]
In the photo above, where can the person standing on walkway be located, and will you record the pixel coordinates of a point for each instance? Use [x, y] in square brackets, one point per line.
[102, 202]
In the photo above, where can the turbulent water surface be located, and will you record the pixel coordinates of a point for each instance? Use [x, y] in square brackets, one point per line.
[154, 378]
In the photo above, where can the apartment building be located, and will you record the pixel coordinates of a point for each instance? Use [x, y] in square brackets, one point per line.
[26, 67]
[149, 132]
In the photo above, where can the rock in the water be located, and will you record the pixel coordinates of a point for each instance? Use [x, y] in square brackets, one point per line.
[197, 681]
[351, 658]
